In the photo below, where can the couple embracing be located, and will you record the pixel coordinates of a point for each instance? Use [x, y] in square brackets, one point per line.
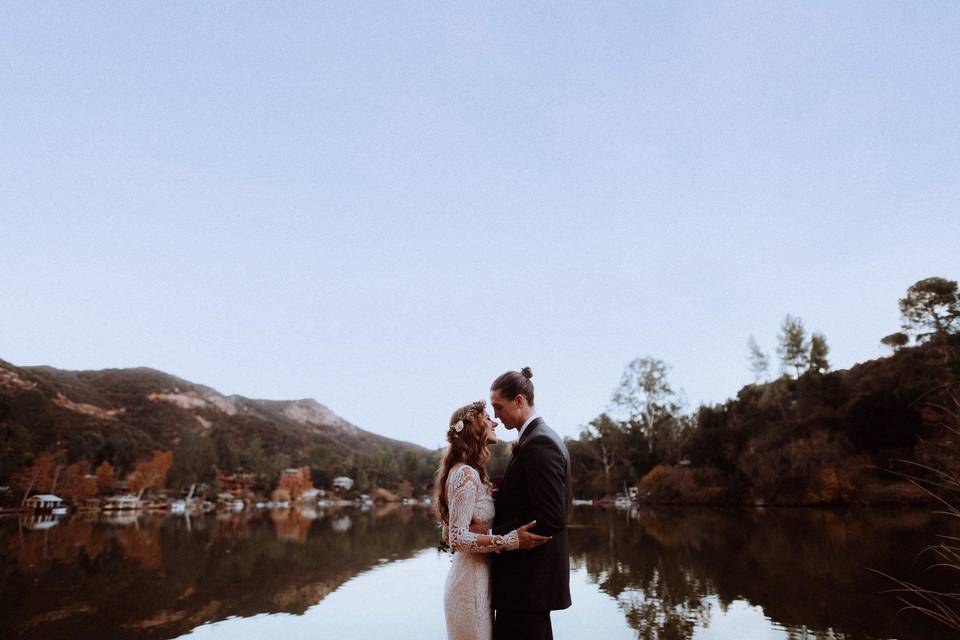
[510, 565]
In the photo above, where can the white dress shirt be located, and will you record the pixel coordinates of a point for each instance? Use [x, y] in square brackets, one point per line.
[533, 416]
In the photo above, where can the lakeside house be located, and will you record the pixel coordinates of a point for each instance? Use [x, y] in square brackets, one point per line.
[45, 503]
[125, 502]
[237, 483]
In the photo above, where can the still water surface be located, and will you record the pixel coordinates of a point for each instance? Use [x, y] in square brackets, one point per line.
[666, 574]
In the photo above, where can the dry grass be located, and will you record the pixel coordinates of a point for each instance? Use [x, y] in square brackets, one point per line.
[943, 485]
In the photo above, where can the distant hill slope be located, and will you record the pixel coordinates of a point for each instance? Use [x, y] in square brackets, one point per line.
[123, 415]
[847, 436]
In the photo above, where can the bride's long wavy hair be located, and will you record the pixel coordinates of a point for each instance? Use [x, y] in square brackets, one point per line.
[469, 446]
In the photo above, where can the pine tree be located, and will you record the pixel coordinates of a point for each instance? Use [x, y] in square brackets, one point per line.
[759, 361]
[793, 348]
[895, 341]
[931, 308]
[818, 353]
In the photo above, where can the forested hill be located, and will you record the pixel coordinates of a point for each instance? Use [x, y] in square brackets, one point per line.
[123, 416]
[837, 437]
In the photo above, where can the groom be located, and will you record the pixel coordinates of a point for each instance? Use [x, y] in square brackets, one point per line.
[527, 585]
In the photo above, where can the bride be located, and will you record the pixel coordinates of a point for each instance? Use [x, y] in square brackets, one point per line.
[464, 503]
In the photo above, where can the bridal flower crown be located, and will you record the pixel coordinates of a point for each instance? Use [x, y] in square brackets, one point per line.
[476, 408]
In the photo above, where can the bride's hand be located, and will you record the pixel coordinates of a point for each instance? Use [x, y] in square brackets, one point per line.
[528, 539]
[478, 527]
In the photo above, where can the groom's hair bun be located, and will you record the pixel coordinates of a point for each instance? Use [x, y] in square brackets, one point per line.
[515, 383]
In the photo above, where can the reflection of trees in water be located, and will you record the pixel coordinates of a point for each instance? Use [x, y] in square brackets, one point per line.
[162, 576]
[660, 599]
[156, 577]
[29, 550]
[291, 525]
[805, 568]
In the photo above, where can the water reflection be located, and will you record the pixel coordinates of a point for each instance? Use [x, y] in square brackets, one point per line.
[808, 570]
[160, 576]
[673, 574]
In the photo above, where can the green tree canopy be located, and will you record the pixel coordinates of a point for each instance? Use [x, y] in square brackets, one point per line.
[818, 353]
[645, 392]
[896, 341]
[931, 308]
[759, 361]
[793, 348]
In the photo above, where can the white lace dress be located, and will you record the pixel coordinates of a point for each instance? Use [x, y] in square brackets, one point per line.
[466, 593]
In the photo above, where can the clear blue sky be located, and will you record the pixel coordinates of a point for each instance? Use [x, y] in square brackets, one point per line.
[383, 206]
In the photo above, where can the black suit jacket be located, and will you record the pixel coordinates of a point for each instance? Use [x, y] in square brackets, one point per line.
[535, 486]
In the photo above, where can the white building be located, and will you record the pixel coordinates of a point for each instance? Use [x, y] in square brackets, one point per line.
[343, 482]
[44, 502]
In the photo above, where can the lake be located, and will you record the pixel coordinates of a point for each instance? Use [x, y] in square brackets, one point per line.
[660, 573]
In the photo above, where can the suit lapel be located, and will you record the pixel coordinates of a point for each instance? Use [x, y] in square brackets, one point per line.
[530, 429]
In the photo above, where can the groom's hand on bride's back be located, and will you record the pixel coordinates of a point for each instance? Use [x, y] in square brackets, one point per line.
[528, 539]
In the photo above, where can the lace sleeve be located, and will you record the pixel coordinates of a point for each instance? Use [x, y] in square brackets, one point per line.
[463, 486]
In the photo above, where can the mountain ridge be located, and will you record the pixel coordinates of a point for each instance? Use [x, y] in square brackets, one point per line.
[121, 415]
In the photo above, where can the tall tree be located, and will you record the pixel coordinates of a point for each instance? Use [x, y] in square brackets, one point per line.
[644, 395]
[106, 478]
[793, 349]
[76, 483]
[931, 308]
[606, 443]
[39, 476]
[759, 361]
[152, 473]
[195, 460]
[895, 341]
[818, 353]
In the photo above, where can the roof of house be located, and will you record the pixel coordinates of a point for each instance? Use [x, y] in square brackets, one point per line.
[45, 497]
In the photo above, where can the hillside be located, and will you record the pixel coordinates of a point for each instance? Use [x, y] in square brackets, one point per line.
[841, 437]
[122, 416]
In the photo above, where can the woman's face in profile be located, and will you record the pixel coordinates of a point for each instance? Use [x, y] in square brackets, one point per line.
[491, 429]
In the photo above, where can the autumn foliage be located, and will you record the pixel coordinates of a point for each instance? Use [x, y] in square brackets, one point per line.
[152, 473]
[295, 481]
[76, 482]
[39, 476]
[106, 478]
